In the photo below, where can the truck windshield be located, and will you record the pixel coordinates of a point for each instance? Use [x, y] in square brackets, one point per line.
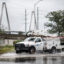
[29, 39]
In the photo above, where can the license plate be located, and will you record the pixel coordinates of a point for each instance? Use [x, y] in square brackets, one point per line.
[17, 48]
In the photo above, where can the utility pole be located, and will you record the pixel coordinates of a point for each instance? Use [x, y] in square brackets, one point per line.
[25, 21]
[37, 18]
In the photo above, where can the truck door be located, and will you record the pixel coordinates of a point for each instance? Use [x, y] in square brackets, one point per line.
[39, 44]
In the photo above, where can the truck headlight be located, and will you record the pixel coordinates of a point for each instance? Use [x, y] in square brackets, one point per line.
[27, 45]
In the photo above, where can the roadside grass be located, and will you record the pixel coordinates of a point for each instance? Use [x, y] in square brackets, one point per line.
[5, 49]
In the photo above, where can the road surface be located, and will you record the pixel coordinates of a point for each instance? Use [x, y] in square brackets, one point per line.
[12, 55]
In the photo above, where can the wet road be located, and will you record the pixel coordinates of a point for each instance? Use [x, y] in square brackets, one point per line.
[32, 60]
[12, 55]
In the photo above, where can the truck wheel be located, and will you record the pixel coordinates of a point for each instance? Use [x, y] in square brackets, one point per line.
[31, 50]
[17, 51]
[53, 50]
[59, 50]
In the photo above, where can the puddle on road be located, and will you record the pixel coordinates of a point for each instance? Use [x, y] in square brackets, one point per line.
[34, 60]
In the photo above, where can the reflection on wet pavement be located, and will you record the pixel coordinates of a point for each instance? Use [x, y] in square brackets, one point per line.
[34, 60]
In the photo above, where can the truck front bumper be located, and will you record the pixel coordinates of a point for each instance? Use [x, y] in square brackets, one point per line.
[21, 47]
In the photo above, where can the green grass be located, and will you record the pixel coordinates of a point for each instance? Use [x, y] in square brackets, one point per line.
[7, 48]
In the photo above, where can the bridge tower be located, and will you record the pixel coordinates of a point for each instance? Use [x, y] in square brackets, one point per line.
[4, 6]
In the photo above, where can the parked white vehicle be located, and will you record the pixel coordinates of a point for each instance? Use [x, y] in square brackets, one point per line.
[32, 44]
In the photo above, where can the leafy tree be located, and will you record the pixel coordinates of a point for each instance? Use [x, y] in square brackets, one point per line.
[56, 22]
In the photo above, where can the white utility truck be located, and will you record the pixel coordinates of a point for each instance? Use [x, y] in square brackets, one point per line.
[32, 44]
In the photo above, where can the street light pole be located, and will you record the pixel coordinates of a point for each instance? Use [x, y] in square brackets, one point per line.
[37, 3]
[35, 26]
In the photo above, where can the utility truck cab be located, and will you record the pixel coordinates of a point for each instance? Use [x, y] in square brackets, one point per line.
[30, 44]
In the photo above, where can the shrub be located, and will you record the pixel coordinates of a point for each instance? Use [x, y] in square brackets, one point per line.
[14, 42]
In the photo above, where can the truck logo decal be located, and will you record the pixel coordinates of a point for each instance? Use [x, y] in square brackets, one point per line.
[37, 44]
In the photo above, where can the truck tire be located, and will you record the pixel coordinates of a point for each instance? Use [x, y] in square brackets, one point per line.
[53, 50]
[17, 51]
[32, 50]
[59, 50]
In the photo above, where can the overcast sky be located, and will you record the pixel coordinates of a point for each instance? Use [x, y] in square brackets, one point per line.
[16, 12]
